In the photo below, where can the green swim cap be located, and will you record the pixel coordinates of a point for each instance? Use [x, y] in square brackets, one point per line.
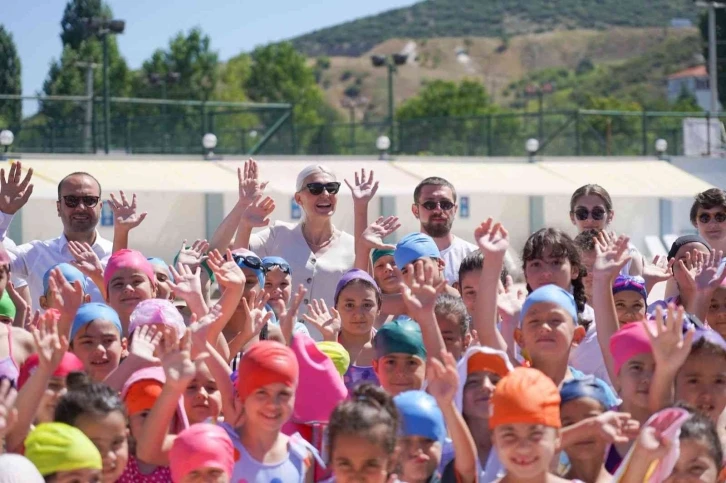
[7, 307]
[400, 336]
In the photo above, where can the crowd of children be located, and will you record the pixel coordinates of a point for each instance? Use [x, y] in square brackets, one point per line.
[218, 368]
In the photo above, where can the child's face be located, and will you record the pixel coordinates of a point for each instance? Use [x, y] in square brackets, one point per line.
[694, 463]
[126, 289]
[358, 459]
[163, 289]
[400, 372]
[469, 288]
[78, 476]
[701, 383]
[385, 275]
[110, 435]
[358, 308]
[588, 261]
[202, 399]
[578, 410]
[716, 317]
[252, 283]
[419, 457]
[206, 475]
[548, 269]
[634, 378]
[136, 423]
[546, 330]
[526, 450]
[478, 390]
[278, 285]
[629, 306]
[451, 333]
[46, 409]
[99, 346]
[270, 406]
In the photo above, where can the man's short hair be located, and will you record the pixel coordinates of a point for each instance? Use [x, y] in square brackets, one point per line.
[78, 173]
[433, 181]
[709, 199]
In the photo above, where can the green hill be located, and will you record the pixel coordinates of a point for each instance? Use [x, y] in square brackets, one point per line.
[489, 18]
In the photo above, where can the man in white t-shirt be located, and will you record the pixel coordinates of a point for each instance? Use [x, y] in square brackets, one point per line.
[434, 205]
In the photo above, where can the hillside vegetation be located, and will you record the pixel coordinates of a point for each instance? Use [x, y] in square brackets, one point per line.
[489, 18]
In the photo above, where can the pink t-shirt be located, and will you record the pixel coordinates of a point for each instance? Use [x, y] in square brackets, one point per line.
[131, 474]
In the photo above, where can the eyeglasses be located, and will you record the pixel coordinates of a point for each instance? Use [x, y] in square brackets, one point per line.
[249, 261]
[284, 267]
[583, 213]
[317, 188]
[705, 218]
[445, 205]
[73, 201]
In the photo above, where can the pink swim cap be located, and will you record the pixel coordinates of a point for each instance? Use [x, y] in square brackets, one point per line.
[629, 341]
[128, 259]
[157, 311]
[202, 445]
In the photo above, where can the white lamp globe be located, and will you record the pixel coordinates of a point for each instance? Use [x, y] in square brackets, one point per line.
[209, 141]
[6, 137]
[383, 143]
[661, 146]
[532, 145]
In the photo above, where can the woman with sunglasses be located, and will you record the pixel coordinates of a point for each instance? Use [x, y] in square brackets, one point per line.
[708, 215]
[591, 208]
[317, 252]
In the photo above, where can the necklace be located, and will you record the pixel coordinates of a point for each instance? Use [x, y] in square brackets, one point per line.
[321, 244]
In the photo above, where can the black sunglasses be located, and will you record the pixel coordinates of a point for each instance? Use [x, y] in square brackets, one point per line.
[583, 213]
[317, 188]
[249, 261]
[284, 267]
[705, 218]
[73, 201]
[445, 205]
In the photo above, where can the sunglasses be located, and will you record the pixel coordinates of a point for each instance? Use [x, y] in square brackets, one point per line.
[445, 205]
[73, 201]
[249, 261]
[317, 188]
[284, 267]
[583, 213]
[705, 218]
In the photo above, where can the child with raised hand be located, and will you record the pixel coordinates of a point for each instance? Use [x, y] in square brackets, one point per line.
[400, 360]
[163, 277]
[453, 321]
[96, 338]
[16, 345]
[202, 452]
[72, 275]
[716, 316]
[98, 411]
[525, 424]
[469, 274]
[278, 285]
[362, 436]
[63, 454]
[631, 299]
[202, 399]
[480, 369]
[129, 278]
[357, 304]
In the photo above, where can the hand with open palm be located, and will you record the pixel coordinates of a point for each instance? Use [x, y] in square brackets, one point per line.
[611, 255]
[442, 378]
[126, 216]
[670, 346]
[420, 290]
[365, 187]
[250, 188]
[14, 194]
[327, 321]
[373, 236]
[493, 239]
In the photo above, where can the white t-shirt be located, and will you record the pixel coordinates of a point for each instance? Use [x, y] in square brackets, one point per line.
[453, 255]
[587, 356]
[318, 274]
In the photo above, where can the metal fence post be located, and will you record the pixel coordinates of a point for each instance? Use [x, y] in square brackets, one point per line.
[577, 132]
[490, 137]
[645, 133]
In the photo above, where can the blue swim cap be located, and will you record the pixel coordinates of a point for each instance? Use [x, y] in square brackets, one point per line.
[69, 272]
[420, 415]
[161, 263]
[94, 311]
[415, 246]
[586, 387]
[552, 294]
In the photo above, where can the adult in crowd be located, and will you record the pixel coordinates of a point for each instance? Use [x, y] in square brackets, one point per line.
[591, 208]
[708, 216]
[79, 207]
[434, 205]
[318, 252]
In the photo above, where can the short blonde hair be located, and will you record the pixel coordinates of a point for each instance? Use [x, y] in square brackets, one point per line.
[309, 171]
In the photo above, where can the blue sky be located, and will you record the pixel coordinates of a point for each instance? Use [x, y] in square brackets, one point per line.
[233, 25]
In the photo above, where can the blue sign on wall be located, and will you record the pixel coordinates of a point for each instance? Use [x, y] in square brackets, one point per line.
[295, 212]
[106, 215]
[464, 207]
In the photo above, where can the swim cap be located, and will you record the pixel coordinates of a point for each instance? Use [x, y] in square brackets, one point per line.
[685, 240]
[349, 276]
[525, 395]
[415, 246]
[629, 341]
[337, 353]
[633, 284]
[56, 447]
[480, 359]
[142, 397]
[69, 363]
[15, 468]
[276, 261]
[202, 445]
[157, 311]
[7, 307]
[70, 273]
[259, 272]
[158, 262]
[420, 415]
[128, 259]
[379, 253]
[87, 313]
[550, 294]
[586, 387]
[400, 336]
[266, 362]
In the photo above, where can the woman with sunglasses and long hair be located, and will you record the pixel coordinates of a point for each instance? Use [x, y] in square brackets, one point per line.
[591, 208]
[317, 252]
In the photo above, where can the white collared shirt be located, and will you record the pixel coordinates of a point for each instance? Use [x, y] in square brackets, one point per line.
[31, 260]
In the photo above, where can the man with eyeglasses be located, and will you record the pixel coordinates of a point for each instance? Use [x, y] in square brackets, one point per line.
[434, 205]
[79, 207]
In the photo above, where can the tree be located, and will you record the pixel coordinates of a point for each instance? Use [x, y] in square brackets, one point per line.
[720, 38]
[10, 111]
[441, 98]
[73, 26]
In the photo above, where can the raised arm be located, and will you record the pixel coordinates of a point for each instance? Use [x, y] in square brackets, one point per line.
[125, 219]
[372, 238]
[708, 278]
[363, 192]
[145, 341]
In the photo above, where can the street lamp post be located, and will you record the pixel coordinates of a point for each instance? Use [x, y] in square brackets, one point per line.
[103, 27]
[162, 80]
[539, 92]
[351, 103]
[390, 63]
